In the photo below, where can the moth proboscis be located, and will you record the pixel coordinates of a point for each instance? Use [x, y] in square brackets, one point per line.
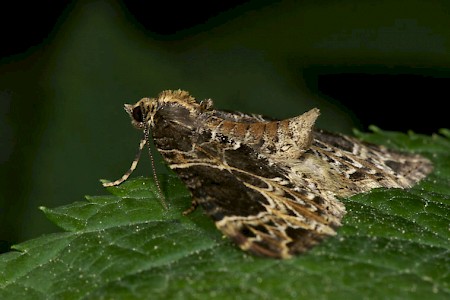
[271, 186]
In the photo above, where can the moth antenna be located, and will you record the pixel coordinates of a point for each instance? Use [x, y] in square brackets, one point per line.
[132, 168]
[155, 177]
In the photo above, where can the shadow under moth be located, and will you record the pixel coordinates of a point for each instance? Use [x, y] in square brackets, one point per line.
[271, 186]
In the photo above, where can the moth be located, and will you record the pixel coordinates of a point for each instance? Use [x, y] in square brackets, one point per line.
[273, 187]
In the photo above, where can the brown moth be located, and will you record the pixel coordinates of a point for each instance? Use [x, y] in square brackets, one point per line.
[270, 186]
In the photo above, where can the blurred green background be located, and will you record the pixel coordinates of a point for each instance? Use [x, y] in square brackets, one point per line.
[65, 77]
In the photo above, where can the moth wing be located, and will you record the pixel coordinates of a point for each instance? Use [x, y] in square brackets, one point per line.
[367, 165]
[253, 202]
[292, 221]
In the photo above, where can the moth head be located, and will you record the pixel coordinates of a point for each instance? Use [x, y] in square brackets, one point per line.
[141, 113]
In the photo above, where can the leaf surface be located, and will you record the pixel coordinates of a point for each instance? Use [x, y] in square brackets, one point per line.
[393, 244]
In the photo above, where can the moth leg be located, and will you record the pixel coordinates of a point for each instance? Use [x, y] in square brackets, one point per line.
[194, 205]
[132, 168]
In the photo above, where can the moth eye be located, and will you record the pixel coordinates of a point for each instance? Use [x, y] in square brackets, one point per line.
[137, 114]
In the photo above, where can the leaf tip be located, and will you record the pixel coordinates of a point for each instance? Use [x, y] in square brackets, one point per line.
[43, 209]
[374, 129]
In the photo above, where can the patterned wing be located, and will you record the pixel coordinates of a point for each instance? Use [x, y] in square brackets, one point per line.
[363, 166]
[253, 202]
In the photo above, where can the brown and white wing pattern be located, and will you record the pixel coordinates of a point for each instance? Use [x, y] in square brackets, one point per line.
[253, 202]
[364, 166]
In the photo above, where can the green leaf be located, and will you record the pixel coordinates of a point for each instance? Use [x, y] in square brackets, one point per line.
[394, 244]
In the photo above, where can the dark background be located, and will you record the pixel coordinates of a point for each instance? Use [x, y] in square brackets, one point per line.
[67, 68]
